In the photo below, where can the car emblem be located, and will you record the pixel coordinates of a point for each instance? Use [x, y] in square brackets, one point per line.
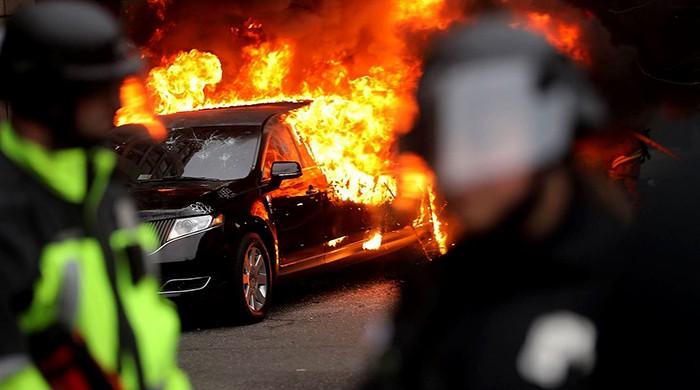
[201, 208]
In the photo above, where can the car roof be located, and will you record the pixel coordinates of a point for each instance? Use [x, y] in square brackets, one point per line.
[252, 115]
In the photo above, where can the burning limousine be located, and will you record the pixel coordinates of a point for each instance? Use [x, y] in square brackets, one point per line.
[238, 201]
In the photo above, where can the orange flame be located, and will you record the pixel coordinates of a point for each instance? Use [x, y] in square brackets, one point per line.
[351, 125]
[566, 37]
[136, 108]
[268, 66]
[357, 110]
[356, 113]
[417, 187]
[438, 226]
[333, 243]
[424, 14]
[183, 85]
[373, 243]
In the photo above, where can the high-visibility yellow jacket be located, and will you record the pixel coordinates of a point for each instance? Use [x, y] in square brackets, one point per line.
[71, 255]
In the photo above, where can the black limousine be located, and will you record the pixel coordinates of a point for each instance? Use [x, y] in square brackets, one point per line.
[238, 202]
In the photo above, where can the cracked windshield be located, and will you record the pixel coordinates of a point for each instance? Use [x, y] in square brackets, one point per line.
[201, 153]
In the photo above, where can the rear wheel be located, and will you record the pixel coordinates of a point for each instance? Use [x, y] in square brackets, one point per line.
[252, 282]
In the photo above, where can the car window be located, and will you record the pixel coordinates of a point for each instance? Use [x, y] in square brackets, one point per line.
[306, 160]
[281, 147]
[226, 153]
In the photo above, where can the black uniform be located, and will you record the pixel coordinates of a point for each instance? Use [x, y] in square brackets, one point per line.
[464, 326]
[78, 308]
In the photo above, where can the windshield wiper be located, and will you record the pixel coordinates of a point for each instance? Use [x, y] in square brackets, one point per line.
[199, 178]
[181, 178]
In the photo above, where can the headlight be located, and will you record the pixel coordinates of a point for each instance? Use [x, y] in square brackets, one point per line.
[186, 226]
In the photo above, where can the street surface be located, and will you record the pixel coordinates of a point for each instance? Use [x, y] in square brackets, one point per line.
[317, 335]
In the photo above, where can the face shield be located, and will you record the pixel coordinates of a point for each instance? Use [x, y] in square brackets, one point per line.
[493, 119]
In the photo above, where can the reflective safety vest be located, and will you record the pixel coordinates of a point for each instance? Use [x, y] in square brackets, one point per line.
[72, 256]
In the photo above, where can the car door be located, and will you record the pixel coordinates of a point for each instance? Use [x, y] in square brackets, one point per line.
[298, 206]
[349, 223]
[345, 222]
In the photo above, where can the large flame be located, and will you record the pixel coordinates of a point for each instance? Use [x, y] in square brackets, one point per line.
[357, 111]
[182, 85]
[424, 14]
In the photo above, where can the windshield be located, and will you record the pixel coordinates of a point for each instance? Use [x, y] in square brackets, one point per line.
[202, 153]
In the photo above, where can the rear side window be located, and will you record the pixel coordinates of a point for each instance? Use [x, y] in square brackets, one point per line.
[306, 160]
[281, 147]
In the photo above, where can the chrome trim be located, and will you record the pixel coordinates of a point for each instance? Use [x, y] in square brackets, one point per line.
[183, 237]
[162, 228]
[304, 260]
[208, 278]
[391, 240]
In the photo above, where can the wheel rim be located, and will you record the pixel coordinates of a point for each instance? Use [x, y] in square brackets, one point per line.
[255, 278]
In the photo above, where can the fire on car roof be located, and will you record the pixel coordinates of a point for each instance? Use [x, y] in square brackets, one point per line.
[362, 95]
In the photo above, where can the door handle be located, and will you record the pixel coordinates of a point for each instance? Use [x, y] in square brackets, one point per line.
[312, 191]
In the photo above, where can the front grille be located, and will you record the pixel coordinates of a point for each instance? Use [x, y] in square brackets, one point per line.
[162, 228]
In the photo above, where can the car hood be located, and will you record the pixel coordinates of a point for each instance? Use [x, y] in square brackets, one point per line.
[181, 198]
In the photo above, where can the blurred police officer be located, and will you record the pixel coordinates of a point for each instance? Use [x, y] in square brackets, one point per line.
[515, 304]
[78, 307]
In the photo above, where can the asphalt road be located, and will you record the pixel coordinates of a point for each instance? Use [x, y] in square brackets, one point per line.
[320, 333]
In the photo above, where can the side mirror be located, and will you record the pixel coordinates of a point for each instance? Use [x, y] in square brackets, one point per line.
[284, 170]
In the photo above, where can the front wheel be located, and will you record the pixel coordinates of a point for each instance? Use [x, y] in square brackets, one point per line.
[252, 283]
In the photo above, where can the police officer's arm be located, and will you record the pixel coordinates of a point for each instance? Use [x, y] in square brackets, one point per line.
[18, 270]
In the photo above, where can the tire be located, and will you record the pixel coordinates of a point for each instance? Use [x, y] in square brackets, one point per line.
[252, 279]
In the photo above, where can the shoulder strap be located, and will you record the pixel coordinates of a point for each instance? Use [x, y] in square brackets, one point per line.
[97, 222]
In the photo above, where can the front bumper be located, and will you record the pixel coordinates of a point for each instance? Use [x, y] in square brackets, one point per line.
[191, 263]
